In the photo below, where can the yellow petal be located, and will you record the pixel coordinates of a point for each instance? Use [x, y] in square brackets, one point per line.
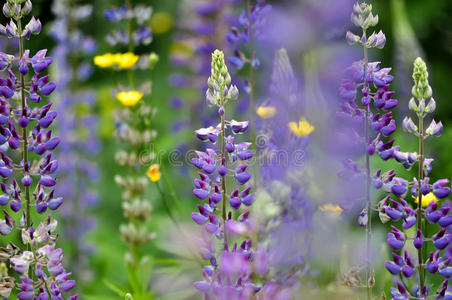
[335, 209]
[104, 61]
[129, 98]
[126, 60]
[154, 173]
[426, 199]
[266, 112]
[302, 129]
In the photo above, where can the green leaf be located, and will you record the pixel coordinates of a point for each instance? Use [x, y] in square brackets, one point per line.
[116, 288]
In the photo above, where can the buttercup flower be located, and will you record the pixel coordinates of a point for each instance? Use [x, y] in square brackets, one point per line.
[426, 199]
[335, 209]
[302, 129]
[126, 60]
[104, 61]
[154, 173]
[266, 112]
[129, 98]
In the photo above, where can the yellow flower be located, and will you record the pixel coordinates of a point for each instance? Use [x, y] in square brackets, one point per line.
[335, 209]
[302, 129]
[154, 173]
[104, 61]
[129, 98]
[266, 112]
[126, 60]
[161, 22]
[426, 199]
[182, 50]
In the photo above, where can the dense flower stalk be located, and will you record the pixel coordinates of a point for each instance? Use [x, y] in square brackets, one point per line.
[249, 27]
[430, 209]
[374, 113]
[286, 230]
[27, 146]
[78, 131]
[230, 272]
[133, 133]
[200, 30]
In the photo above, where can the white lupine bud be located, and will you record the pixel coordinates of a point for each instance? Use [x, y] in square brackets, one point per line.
[374, 21]
[412, 105]
[356, 19]
[408, 125]
[352, 38]
[431, 106]
[27, 8]
[7, 10]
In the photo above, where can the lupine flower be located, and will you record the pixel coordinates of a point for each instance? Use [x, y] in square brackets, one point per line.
[285, 233]
[249, 27]
[33, 123]
[368, 84]
[78, 147]
[426, 197]
[200, 31]
[229, 272]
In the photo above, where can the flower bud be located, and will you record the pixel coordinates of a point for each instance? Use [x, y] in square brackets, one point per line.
[412, 105]
[431, 106]
[408, 125]
[351, 38]
[153, 60]
[27, 8]
[7, 10]
[435, 129]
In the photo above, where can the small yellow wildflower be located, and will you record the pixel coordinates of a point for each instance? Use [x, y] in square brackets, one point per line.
[154, 173]
[126, 60]
[302, 129]
[104, 61]
[335, 209]
[182, 50]
[129, 98]
[266, 112]
[426, 199]
[161, 22]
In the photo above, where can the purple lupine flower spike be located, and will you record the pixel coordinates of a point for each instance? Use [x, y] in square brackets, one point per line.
[68, 95]
[426, 197]
[27, 129]
[236, 260]
[368, 99]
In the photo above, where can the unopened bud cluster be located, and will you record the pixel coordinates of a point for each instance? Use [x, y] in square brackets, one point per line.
[362, 17]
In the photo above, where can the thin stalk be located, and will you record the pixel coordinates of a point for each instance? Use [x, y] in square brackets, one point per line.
[25, 141]
[223, 178]
[419, 207]
[24, 130]
[166, 204]
[368, 185]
